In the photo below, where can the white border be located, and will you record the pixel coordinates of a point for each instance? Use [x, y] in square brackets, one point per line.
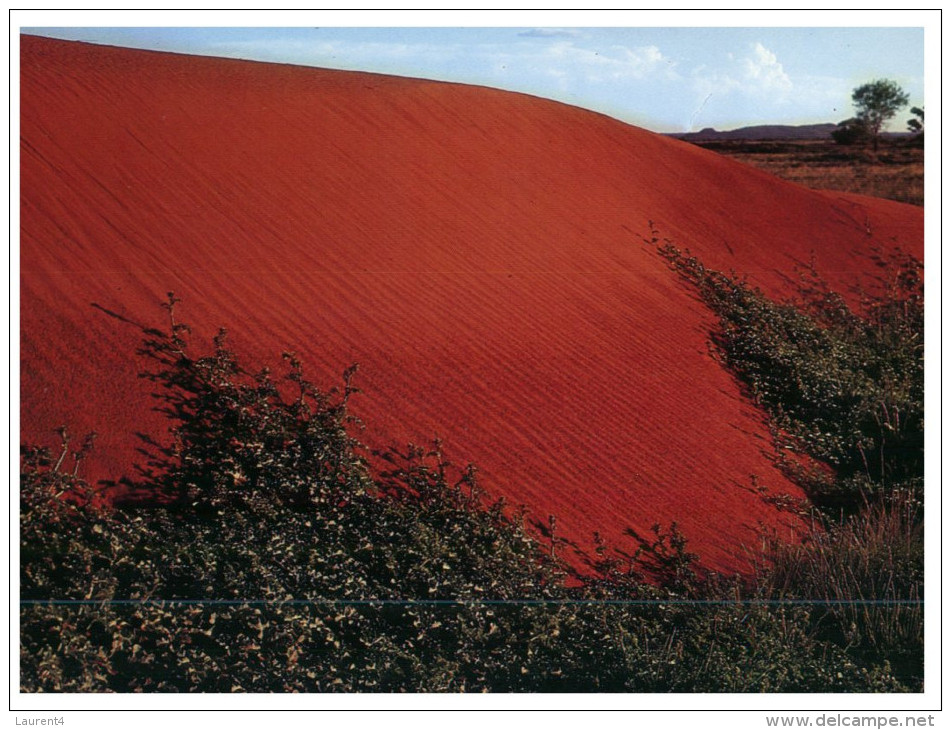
[673, 706]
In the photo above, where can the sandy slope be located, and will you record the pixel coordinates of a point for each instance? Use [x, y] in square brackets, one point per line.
[479, 253]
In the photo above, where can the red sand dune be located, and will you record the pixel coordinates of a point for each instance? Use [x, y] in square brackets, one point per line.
[480, 254]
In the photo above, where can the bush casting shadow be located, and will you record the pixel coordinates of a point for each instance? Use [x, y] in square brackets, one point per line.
[280, 563]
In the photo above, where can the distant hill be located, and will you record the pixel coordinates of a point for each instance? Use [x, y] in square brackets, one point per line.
[767, 132]
[762, 131]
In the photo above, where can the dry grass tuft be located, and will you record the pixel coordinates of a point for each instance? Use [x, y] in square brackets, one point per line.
[896, 173]
[870, 570]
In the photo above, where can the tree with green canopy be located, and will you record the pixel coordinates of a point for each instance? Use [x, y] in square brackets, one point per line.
[875, 103]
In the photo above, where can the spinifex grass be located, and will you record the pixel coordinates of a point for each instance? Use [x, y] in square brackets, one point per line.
[870, 569]
[845, 387]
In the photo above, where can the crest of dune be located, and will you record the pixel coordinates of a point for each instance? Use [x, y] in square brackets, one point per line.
[481, 254]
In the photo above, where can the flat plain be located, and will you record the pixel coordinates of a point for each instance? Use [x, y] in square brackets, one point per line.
[896, 172]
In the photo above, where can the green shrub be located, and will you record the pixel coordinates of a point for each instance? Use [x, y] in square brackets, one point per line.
[851, 132]
[267, 503]
[273, 561]
[845, 387]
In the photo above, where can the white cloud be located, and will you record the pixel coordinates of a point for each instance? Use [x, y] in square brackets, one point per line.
[707, 81]
[743, 86]
[765, 71]
[550, 33]
[757, 76]
[612, 63]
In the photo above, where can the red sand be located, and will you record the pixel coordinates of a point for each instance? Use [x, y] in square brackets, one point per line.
[478, 252]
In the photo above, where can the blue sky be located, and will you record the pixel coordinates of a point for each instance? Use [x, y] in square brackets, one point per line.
[668, 79]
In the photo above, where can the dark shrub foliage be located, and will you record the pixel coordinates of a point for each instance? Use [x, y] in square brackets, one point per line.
[851, 132]
[847, 388]
[275, 562]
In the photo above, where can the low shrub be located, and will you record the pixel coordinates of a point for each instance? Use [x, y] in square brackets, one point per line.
[274, 561]
[851, 132]
[847, 388]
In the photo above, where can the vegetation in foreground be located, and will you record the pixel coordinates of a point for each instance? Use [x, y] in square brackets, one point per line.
[280, 563]
[847, 389]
